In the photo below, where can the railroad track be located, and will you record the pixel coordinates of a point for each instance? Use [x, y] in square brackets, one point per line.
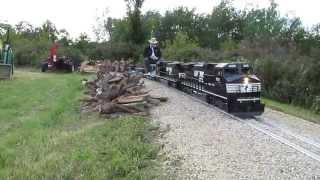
[297, 142]
[301, 144]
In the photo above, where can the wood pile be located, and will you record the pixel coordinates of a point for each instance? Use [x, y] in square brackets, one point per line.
[117, 91]
[89, 66]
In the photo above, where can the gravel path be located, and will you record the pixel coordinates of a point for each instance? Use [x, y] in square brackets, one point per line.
[201, 143]
[294, 124]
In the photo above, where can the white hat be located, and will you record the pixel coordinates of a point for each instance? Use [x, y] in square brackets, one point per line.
[153, 41]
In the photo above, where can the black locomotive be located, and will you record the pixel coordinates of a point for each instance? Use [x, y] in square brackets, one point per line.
[230, 86]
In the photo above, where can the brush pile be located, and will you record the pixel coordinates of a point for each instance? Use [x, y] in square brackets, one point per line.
[115, 90]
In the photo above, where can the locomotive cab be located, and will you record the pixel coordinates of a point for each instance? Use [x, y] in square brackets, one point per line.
[242, 88]
[209, 73]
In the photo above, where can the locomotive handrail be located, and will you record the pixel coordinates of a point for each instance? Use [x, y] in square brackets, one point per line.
[168, 74]
[208, 75]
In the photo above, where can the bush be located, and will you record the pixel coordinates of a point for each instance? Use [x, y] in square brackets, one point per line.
[290, 80]
[181, 48]
[316, 104]
[116, 50]
[30, 52]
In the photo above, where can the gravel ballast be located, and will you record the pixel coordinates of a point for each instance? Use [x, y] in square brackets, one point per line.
[293, 124]
[200, 142]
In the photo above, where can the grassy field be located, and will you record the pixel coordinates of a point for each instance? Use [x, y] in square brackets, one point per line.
[43, 135]
[293, 110]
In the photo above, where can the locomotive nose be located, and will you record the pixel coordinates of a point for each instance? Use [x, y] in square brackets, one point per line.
[246, 80]
[249, 79]
[241, 79]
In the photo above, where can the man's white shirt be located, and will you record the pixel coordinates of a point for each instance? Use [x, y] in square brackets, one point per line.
[153, 56]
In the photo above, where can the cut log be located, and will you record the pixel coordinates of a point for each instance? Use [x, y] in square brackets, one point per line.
[107, 108]
[115, 79]
[126, 109]
[138, 107]
[162, 99]
[130, 99]
[134, 90]
[152, 101]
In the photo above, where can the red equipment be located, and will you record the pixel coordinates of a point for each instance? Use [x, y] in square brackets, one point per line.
[57, 63]
[53, 54]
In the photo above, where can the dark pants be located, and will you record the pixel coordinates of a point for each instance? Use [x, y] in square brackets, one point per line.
[148, 62]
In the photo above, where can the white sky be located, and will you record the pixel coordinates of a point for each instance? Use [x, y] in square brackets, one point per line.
[79, 15]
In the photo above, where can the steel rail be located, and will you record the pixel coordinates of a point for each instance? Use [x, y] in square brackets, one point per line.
[297, 136]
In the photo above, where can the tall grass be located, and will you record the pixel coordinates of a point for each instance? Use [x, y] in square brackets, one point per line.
[297, 111]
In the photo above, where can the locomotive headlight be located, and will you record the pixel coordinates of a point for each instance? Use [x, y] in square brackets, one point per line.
[246, 80]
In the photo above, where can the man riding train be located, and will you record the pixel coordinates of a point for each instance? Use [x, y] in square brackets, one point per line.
[152, 56]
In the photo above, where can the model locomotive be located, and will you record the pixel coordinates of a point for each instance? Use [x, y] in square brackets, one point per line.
[230, 86]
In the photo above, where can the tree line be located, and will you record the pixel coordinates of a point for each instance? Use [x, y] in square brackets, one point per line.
[284, 54]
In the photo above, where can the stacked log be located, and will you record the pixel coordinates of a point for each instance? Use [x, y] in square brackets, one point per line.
[89, 66]
[115, 90]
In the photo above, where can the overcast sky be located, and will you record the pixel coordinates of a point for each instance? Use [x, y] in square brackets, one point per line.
[79, 15]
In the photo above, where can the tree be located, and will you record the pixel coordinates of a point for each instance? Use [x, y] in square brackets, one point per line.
[120, 30]
[24, 27]
[64, 37]
[264, 23]
[136, 32]
[49, 29]
[182, 48]
[108, 27]
[82, 43]
[179, 20]
[103, 27]
[151, 24]
[224, 24]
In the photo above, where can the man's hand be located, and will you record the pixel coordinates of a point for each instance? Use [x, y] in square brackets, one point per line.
[154, 57]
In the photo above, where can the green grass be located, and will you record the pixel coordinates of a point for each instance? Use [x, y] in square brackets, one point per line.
[43, 135]
[293, 110]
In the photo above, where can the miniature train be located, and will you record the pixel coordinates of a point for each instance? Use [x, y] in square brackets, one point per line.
[229, 86]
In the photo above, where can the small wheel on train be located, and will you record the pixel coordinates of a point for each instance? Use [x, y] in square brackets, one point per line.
[178, 86]
[225, 107]
[213, 100]
[209, 99]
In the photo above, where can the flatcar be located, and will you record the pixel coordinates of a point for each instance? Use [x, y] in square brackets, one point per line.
[230, 86]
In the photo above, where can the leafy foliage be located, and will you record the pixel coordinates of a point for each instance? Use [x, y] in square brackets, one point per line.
[181, 48]
[136, 32]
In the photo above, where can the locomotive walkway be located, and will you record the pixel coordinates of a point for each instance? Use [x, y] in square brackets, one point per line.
[201, 142]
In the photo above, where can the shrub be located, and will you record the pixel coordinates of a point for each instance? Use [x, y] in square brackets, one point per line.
[181, 48]
[30, 52]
